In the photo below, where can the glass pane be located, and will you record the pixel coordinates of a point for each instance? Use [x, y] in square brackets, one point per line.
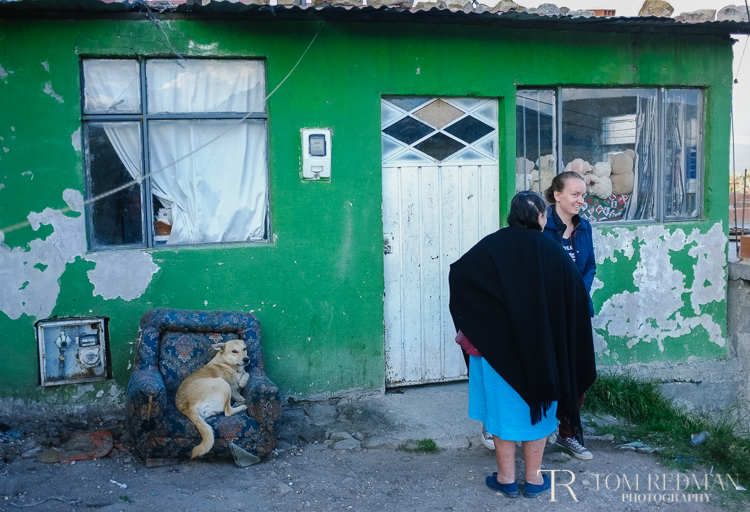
[197, 86]
[388, 114]
[611, 136]
[438, 113]
[209, 180]
[113, 157]
[439, 146]
[111, 86]
[682, 147]
[469, 129]
[407, 103]
[535, 139]
[408, 130]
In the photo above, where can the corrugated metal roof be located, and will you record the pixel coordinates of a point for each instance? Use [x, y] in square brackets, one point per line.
[247, 10]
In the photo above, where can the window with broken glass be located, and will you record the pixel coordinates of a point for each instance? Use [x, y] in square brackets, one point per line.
[640, 151]
[175, 151]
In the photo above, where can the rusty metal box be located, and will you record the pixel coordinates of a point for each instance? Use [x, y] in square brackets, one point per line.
[72, 350]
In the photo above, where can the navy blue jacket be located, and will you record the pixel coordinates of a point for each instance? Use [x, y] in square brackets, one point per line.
[582, 242]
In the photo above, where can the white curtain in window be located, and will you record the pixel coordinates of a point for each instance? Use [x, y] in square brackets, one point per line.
[111, 86]
[126, 139]
[197, 85]
[219, 192]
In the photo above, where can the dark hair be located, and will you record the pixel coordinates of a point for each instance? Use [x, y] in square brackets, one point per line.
[525, 209]
[558, 184]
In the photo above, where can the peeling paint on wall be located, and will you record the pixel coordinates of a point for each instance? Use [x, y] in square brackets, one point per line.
[29, 277]
[124, 274]
[3, 74]
[76, 139]
[17, 266]
[203, 47]
[48, 90]
[653, 312]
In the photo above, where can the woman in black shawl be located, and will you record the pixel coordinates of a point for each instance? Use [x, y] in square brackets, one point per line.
[521, 302]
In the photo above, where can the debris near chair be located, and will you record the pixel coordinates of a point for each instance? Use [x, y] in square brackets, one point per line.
[640, 447]
[93, 445]
[242, 458]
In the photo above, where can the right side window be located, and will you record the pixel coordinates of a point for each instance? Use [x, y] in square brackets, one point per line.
[639, 150]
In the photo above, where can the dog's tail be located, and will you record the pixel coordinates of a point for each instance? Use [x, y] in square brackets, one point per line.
[207, 433]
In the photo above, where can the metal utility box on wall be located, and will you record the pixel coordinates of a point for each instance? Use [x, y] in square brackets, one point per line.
[72, 350]
[316, 153]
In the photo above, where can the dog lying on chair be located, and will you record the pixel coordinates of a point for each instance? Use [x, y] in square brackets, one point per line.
[209, 390]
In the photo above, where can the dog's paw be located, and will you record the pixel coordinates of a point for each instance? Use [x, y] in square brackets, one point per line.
[243, 380]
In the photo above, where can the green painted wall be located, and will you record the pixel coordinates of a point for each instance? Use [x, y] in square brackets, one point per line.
[318, 286]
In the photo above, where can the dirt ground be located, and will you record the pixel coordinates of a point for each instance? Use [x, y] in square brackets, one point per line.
[364, 472]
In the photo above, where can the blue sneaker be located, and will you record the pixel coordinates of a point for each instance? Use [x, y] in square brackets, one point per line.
[510, 490]
[534, 491]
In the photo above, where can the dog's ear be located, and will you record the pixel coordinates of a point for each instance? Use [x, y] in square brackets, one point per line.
[219, 347]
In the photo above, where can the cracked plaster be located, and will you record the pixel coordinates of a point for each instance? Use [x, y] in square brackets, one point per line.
[29, 277]
[653, 311]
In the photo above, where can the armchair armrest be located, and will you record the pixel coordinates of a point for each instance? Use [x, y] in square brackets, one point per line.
[146, 397]
[263, 402]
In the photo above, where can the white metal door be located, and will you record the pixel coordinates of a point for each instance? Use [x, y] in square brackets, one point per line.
[439, 198]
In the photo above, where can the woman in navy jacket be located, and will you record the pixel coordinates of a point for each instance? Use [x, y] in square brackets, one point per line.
[567, 228]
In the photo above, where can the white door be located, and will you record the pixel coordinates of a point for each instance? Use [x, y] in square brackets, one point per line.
[440, 197]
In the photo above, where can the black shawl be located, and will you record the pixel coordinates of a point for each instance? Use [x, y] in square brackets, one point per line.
[520, 300]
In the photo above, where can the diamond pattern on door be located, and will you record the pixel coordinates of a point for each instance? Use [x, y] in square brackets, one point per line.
[439, 113]
[438, 128]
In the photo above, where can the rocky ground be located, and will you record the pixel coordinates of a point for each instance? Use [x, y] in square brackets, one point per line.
[346, 455]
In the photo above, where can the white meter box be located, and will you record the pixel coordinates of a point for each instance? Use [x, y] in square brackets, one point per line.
[72, 350]
[316, 153]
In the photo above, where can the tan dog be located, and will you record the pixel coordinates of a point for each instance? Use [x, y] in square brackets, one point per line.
[208, 390]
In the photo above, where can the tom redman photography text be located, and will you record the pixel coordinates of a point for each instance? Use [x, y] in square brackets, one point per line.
[649, 488]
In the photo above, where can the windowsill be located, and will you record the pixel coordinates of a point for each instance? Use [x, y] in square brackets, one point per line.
[602, 224]
[163, 246]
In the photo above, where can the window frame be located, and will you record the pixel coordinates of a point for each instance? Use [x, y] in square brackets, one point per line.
[143, 118]
[659, 209]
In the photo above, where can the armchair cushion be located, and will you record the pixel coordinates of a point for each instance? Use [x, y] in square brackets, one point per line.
[182, 353]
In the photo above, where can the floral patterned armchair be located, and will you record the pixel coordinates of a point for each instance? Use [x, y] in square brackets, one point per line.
[172, 344]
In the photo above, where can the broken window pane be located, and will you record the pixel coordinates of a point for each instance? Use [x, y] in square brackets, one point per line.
[535, 139]
[195, 86]
[111, 86]
[683, 140]
[113, 159]
[611, 137]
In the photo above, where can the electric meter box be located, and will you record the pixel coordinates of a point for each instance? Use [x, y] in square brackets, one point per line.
[72, 351]
[316, 153]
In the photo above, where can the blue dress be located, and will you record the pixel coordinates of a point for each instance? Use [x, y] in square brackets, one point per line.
[502, 410]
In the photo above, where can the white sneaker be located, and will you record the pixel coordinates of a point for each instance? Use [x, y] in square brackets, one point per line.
[487, 440]
[574, 447]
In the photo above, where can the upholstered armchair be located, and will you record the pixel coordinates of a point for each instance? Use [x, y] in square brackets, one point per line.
[172, 344]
